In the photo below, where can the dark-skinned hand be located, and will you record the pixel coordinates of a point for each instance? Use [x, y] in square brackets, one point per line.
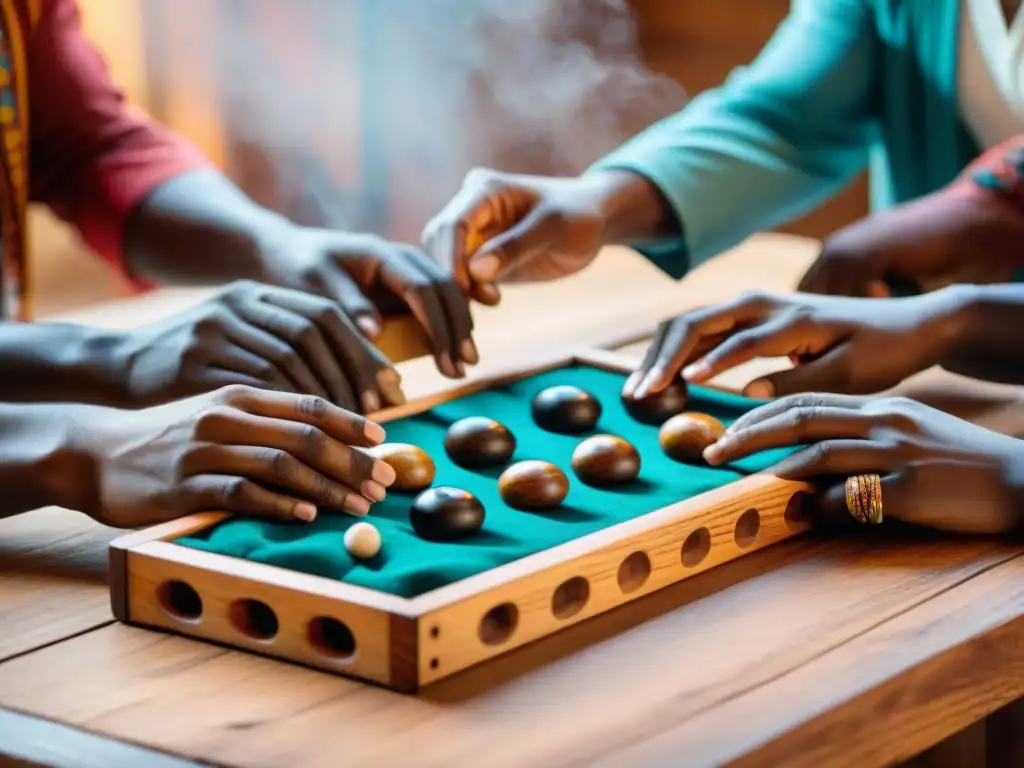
[853, 346]
[369, 277]
[939, 240]
[261, 336]
[936, 470]
[507, 227]
[239, 449]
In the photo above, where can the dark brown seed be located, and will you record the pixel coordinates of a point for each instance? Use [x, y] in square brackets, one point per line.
[477, 442]
[658, 408]
[566, 409]
[446, 514]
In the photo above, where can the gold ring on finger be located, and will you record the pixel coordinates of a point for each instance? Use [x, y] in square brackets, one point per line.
[864, 498]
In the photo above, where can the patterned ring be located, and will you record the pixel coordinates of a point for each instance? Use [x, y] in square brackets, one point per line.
[864, 498]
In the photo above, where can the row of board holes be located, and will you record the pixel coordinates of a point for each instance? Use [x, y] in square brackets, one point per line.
[332, 638]
[256, 620]
[571, 596]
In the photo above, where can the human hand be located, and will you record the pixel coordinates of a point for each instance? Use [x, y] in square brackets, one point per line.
[239, 449]
[836, 344]
[940, 240]
[260, 336]
[936, 470]
[370, 277]
[516, 228]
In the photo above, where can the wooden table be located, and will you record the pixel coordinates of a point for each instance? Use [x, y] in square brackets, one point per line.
[856, 651]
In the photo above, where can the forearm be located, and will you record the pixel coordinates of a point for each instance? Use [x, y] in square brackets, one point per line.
[199, 229]
[50, 362]
[33, 465]
[634, 210]
[986, 341]
[776, 139]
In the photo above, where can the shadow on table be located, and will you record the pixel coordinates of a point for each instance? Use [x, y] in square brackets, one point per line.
[55, 544]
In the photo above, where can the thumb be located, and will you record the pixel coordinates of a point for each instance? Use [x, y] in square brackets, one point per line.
[513, 246]
[828, 373]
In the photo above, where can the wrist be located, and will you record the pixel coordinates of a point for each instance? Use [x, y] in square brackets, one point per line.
[41, 459]
[200, 229]
[69, 463]
[99, 362]
[60, 362]
[632, 208]
[953, 318]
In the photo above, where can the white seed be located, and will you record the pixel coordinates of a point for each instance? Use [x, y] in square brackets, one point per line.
[362, 540]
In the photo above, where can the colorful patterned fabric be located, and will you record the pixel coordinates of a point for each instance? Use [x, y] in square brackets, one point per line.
[13, 123]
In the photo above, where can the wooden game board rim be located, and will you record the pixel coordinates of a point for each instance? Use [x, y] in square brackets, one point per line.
[155, 541]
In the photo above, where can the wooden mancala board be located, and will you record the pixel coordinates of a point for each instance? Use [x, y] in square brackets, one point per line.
[408, 642]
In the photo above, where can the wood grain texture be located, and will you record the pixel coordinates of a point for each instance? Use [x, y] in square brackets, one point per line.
[626, 677]
[960, 657]
[298, 601]
[52, 575]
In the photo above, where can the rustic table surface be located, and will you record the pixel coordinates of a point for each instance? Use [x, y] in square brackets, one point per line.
[861, 650]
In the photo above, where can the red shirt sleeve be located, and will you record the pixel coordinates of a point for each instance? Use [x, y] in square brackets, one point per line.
[92, 159]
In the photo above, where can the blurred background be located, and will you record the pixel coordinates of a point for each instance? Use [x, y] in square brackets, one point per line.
[367, 113]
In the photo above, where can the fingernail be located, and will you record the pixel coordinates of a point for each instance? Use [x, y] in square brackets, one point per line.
[444, 362]
[371, 402]
[632, 381]
[469, 352]
[698, 370]
[760, 390]
[484, 268]
[373, 491]
[305, 512]
[368, 325]
[390, 383]
[357, 505]
[383, 473]
[374, 432]
[644, 388]
[713, 453]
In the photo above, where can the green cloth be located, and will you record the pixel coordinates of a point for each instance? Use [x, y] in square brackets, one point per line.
[842, 86]
[409, 566]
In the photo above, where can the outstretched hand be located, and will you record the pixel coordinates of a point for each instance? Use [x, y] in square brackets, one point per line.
[936, 470]
[836, 345]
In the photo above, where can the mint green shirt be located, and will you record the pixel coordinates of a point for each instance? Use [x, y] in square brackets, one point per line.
[843, 85]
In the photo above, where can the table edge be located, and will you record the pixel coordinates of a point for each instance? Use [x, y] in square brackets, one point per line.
[29, 740]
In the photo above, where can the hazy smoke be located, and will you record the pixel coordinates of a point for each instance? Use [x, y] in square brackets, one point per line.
[350, 103]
